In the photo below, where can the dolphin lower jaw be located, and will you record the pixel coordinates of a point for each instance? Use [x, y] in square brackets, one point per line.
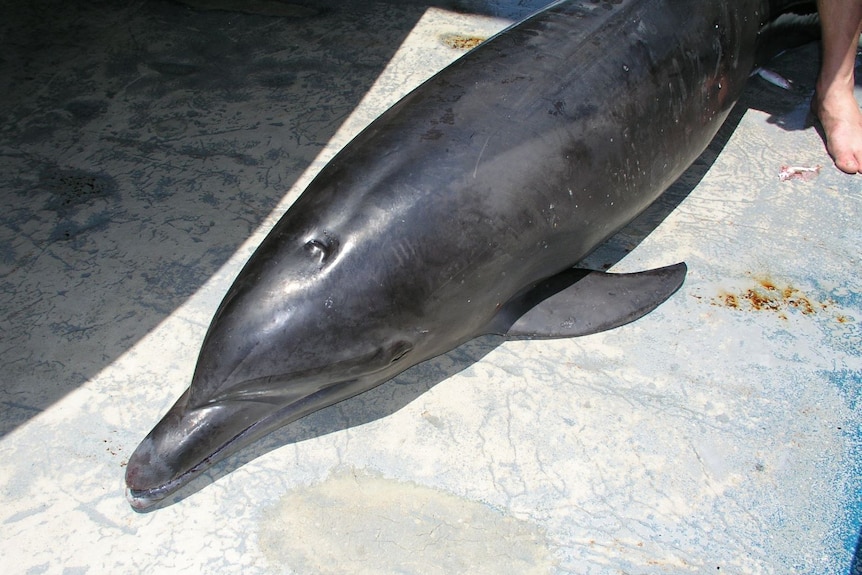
[145, 498]
[187, 442]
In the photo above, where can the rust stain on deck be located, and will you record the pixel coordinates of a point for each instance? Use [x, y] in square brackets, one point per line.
[767, 295]
[461, 42]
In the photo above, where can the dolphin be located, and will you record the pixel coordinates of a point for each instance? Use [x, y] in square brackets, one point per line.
[461, 211]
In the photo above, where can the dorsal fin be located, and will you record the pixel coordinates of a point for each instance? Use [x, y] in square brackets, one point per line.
[580, 302]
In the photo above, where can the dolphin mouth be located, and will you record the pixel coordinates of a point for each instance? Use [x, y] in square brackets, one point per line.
[153, 472]
[146, 499]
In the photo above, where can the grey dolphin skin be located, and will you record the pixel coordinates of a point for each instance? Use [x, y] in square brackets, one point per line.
[460, 212]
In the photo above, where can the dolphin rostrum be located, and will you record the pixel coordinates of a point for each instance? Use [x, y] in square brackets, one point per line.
[459, 212]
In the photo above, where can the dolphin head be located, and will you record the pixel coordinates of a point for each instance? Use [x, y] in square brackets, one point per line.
[312, 319]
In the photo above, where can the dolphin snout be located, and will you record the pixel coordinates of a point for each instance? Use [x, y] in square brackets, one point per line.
[184, 443]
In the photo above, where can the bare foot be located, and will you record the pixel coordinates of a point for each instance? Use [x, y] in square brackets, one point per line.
[841, 118]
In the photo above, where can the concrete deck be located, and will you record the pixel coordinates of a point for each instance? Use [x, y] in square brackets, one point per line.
[146, 147]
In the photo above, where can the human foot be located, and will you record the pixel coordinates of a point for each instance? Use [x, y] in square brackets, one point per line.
[841, 118]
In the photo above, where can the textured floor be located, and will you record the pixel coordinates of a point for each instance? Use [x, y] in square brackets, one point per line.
[145, 149]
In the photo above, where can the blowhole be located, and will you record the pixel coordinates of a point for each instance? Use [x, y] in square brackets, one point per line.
[317, 249]
[322, 249]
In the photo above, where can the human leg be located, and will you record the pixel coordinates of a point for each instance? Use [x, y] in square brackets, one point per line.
[834, 102]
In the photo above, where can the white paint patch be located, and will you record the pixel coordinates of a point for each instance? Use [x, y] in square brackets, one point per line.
[365, 524]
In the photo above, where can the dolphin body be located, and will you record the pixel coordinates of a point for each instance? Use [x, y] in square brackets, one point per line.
[460, 212]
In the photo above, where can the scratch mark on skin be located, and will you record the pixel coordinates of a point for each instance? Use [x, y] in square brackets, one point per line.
[479, 159]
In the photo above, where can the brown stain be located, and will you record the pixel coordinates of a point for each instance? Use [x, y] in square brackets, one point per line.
[461, 42]
[760, 301]
[770, 296]
[727, 300]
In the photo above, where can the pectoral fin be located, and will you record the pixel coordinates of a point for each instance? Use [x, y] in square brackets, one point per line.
[580, 302]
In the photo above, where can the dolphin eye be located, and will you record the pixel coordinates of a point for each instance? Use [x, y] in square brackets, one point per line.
[399, 350]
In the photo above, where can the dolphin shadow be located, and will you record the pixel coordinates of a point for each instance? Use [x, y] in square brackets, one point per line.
[372, 405]
[790, 53]
[393, 395]
[144, 142]
[789, 109]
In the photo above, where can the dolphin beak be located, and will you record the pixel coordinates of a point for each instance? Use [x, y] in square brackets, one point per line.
[190, 439]
[187, 441]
